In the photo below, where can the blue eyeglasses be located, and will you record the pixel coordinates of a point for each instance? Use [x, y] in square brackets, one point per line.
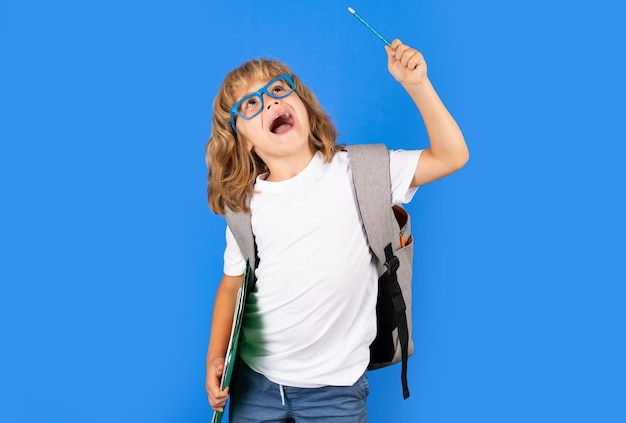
[252, 104]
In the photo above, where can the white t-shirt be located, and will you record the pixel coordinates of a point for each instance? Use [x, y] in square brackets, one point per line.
[312, 316]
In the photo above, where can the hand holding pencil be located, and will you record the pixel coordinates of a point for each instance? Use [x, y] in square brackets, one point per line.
[405, 63]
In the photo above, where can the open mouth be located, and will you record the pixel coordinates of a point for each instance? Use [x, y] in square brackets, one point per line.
[281, 123]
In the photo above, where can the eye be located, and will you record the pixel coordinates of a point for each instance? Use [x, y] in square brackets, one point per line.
[279, 88]
[251, 102]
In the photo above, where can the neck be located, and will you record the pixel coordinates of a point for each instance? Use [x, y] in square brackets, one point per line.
[283, 168]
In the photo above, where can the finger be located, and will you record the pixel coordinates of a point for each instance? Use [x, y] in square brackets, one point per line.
[213, 386]
[394, 46]
[216, 403]
[401, 51]
[217, 395]
[405, 53]
[407, 56]
[411, 59]
[218, 400]
[217, 407]
[414, 61]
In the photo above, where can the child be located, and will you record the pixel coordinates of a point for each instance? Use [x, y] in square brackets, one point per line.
[304, 346]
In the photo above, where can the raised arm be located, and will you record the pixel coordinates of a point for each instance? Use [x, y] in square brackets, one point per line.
[221, 325]
[448, 151]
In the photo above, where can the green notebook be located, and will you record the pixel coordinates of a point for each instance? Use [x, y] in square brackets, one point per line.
[231, 352]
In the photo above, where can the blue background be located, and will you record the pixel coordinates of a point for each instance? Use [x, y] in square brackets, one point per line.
[110, 257]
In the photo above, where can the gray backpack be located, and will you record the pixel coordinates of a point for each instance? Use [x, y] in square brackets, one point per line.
[388, 231]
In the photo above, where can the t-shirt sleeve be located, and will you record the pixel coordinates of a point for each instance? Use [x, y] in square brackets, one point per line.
[402, 165]
[234, 262]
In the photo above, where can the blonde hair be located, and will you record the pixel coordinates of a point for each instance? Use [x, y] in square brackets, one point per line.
[232, 167]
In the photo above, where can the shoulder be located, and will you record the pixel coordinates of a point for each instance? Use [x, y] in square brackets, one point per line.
[341, 156]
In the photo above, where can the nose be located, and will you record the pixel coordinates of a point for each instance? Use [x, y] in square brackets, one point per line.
[271, 103]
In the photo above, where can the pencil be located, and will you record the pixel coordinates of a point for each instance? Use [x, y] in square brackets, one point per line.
[364, 22]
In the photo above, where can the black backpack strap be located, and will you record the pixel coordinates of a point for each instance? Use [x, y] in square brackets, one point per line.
[399, 314]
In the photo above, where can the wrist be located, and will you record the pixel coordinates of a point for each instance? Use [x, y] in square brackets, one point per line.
[417, 87]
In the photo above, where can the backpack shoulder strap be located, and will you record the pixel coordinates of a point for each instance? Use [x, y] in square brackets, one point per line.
[241, 226]
[372, 182]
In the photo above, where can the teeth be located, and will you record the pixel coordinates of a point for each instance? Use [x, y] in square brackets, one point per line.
[286, 114]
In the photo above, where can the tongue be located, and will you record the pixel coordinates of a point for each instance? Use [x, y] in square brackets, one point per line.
[281, 129]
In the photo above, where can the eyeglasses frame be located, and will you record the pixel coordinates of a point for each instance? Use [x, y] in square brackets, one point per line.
[259, 93]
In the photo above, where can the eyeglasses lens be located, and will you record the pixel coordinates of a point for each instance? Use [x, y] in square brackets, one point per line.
[251, 105]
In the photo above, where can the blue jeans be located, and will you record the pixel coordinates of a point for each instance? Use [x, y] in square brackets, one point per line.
[255, 399]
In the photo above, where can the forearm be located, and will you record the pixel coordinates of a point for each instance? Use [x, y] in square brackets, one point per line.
[447, 143]
[447, 152]
[222, 320]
